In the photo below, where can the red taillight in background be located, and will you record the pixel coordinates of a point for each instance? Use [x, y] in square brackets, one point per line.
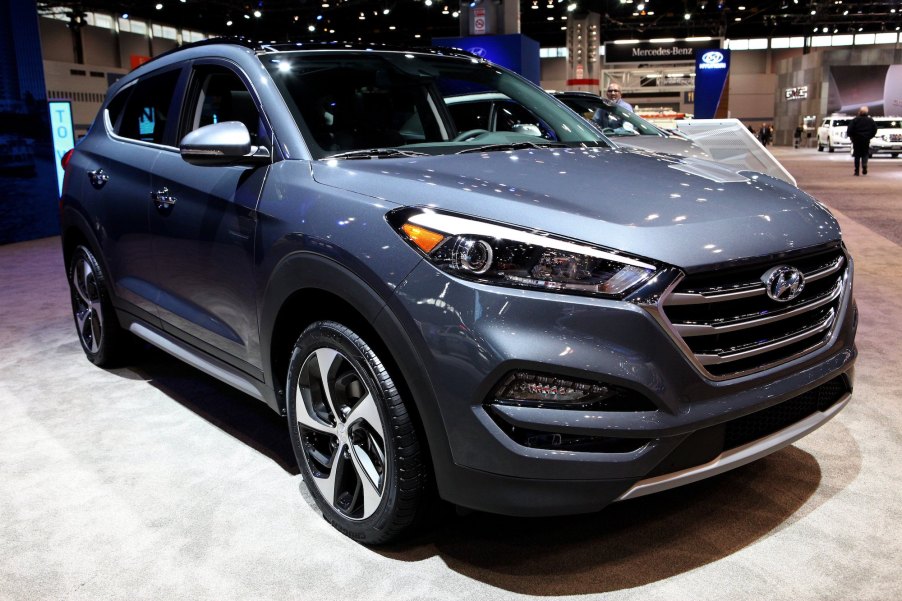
[65, 160]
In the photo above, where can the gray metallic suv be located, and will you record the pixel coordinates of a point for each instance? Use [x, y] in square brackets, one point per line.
[516, 323]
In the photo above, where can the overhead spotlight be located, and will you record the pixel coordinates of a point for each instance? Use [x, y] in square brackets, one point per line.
[311, 28]
[159, 6]
[640, 6]
[258, 14]
[813, 12]
[571, 7]
[428, 3]
[385, 11]
[125, 16]
[687, 16]
[455, 14]
[229, 23]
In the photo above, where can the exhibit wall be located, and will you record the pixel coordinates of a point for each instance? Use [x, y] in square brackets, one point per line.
[29, 198]
[838, 80]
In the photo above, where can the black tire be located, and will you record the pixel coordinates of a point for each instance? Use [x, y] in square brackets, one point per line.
[375, 474]
[104, 342]
[894, 154]
[820, 147]
[830, 149]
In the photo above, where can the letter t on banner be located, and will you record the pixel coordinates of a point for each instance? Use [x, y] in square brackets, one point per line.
[63, 134]
[712, 72]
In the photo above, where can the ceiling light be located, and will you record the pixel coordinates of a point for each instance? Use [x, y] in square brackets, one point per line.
[687, 16]
[258, 14]
[455, 14]
[160, 6]
[571, 7]
[385, 11]
[428, 3]
[125, 16]
[311, 28]
[229, 23]
[247, 16]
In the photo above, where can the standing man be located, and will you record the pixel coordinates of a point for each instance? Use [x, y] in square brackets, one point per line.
[860, 131]
[615, 95]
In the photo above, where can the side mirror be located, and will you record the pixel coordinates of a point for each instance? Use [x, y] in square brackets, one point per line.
[528, 129]
[226, 143]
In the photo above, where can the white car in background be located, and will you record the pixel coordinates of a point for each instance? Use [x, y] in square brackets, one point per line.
[889, 137]
[832, 133]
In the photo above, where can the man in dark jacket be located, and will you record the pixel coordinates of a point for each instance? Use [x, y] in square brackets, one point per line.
[860, 131]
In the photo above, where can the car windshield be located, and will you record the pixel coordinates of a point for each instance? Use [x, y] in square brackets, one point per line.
[347, 101]
[614, 120]
[889, 124]
[841, 122]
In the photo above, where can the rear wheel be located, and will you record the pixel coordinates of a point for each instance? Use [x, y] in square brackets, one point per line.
[820, 147]
[353, 438]
[894, 154]
[830, 148]
[102, 339]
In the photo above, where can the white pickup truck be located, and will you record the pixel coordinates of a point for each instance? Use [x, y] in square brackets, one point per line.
[832, 133]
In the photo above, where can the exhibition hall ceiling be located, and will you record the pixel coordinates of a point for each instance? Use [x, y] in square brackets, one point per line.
[409, 21]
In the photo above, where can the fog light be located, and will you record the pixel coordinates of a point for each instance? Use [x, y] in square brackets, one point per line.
[531, 389]
[538, 389]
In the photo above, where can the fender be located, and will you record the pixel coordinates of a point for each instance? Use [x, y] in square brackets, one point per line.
[306, 270]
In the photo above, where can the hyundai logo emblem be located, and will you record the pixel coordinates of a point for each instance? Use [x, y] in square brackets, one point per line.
[480, 52]
[712, 57]
[783, 283]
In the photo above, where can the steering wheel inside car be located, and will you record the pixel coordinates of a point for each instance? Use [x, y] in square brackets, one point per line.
[470, 134]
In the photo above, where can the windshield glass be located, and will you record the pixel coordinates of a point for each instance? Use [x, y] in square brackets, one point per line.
[614, 120]
[361, 100]
[889, 124]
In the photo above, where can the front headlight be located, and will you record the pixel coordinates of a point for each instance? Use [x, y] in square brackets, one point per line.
[507, 256]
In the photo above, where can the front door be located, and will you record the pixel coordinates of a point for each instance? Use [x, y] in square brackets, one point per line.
[204, 227]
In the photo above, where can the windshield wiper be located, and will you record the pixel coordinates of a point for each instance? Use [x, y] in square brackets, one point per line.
[512, 146]
[377, 153]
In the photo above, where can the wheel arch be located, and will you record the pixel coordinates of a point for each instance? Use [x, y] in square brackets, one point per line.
[307, 287]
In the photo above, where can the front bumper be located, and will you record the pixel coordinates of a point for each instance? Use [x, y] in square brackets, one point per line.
[471, 336]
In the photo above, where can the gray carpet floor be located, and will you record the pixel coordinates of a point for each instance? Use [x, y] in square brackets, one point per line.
[157, 482]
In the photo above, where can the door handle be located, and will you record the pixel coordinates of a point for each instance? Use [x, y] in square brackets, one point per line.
[98, 178]
[162, 198]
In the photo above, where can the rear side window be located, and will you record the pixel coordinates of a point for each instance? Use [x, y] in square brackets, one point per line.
[146, 111]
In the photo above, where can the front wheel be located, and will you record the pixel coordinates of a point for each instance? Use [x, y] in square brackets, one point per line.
[102, 339]
[830, 149]
[894, 155]
[353, 438]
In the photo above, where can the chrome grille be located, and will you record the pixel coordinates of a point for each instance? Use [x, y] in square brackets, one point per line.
[732, 327]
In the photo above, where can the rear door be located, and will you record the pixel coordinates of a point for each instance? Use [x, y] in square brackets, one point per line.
[117, 169]
[203, 242]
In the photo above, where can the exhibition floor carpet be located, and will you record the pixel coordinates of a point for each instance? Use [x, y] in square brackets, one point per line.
[157, 482]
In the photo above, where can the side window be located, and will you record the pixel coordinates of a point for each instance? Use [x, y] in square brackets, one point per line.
[470, 115]
[218, 95]
[145, 112]
[116, 106]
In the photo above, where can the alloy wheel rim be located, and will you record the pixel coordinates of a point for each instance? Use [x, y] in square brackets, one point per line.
[341, 434]
[88, 310]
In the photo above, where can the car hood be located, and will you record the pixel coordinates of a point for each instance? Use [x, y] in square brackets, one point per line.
[672, 145]
[685, 212]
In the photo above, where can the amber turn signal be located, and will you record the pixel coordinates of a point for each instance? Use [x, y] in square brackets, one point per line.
[425, 239]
